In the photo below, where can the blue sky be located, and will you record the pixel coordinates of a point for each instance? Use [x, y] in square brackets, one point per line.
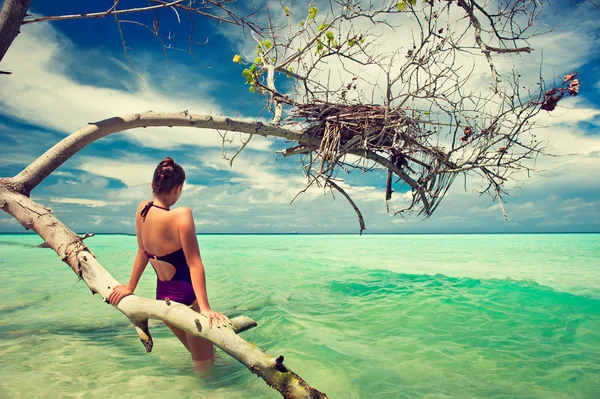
[66, 74]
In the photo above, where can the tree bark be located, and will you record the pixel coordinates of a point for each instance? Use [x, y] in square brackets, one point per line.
[11, 18]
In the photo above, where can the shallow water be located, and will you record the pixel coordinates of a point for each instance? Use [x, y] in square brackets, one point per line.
[380, 316]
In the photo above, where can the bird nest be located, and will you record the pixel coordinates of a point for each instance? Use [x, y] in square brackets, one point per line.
[344, 127]
[335, 130]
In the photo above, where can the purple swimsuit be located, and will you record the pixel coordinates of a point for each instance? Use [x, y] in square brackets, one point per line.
[179, 288]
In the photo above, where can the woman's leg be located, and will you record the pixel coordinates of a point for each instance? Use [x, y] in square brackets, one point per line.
[164, 289]
[202, 351]
[179, 334]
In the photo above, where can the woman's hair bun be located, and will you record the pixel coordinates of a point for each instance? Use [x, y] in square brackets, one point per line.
[165, 167]
[167, 175]
[168, 161]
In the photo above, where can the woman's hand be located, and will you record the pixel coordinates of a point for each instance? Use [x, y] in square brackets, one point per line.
[119, 292]
[219, 319]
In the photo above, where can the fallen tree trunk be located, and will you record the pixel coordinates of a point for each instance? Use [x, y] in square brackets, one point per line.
[70, 249]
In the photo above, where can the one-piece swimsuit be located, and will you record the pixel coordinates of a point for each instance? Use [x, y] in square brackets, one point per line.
[179, 287]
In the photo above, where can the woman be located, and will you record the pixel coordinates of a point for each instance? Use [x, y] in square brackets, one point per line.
[180, 273]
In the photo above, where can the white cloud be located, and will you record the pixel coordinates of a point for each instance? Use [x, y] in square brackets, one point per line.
[17, 158]
[85, 201]
[193, 188]
[569, 110]
[259, 174]
[177, 137]
[205, 222]
[131, 172]
[577, 204]
[228, 208]
[43, 94]
[63, 174]
[8, 221]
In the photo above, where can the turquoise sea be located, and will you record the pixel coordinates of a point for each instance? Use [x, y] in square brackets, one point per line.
[377, 316]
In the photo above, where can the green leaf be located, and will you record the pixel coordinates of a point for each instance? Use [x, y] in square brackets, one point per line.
[267, 43]
[320, 45]
[426, 113]
[286, 10]
[413, 2]
[248, 75]
[329, 35]
[312, 12]
[252, 89]
[351, 42]
[322, 27]
[401, 6]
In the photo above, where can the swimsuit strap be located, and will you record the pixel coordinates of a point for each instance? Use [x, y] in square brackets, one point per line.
[149, 205]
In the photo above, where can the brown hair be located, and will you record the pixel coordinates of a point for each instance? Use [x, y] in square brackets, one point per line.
[167, 176]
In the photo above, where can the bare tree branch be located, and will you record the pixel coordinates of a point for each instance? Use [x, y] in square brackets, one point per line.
[361, 221]
[101, 14]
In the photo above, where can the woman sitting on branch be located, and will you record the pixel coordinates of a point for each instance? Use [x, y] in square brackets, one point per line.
[180, 273]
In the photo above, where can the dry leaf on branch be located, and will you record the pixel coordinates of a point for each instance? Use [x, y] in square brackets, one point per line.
[569, 76]
[574, 87]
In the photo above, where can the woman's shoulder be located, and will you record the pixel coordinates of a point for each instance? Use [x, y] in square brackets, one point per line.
[182, 217]
[141, 205]
[182, 211]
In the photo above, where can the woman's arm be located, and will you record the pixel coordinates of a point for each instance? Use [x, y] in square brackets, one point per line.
[189, 243]
[139, 264]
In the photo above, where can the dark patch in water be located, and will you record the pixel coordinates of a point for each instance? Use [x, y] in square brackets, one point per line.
[17, 330]
[23, 306]
[18, 244]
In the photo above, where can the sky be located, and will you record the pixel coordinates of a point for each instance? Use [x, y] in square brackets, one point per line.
[68, 73]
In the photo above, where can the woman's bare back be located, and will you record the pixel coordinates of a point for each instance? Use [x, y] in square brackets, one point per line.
[160, 236]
